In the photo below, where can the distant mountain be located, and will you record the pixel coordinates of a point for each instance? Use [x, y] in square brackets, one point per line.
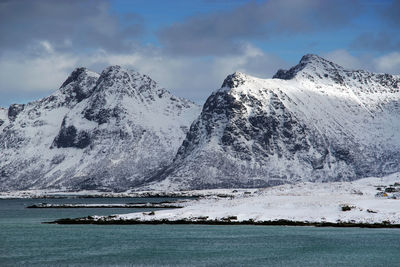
[314, 122]
[110, 131]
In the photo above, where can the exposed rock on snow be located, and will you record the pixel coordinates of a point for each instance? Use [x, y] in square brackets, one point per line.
[97, 131]
[314, 122]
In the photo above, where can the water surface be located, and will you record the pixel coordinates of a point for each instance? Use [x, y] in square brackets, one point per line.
[25, 241]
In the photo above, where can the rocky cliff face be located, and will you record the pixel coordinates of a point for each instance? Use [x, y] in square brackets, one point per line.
[108, 131]
[314, 122]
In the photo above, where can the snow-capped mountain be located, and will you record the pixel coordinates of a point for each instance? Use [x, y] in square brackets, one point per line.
[119, 130]
[314, 122]
[108, 131]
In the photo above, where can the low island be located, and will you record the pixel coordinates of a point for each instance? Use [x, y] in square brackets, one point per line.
[369, 202]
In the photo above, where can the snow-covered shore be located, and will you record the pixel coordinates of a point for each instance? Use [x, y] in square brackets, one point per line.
[365, 201]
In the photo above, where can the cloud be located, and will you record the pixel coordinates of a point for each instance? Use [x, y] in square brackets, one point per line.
[193, 78]
[386, 63]
[224, 32]
[391, 13]
[343, 58]
[381, 41]
[389, 63]
[19, 72]
[252, 61]
[68, 25]
[383, 36]
[44, 40]
[27, 78]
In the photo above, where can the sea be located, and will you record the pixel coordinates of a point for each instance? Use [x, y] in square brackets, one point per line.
[26, 241]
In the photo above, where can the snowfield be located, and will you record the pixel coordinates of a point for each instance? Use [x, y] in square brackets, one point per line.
[362, 201]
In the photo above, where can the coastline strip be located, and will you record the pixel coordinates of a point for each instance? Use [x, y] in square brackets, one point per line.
[224, 222]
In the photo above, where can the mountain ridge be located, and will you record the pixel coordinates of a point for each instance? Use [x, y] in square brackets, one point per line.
[316, 124]
[119, 130]
[107, 132]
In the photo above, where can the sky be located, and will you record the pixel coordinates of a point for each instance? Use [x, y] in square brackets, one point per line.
[188, 47]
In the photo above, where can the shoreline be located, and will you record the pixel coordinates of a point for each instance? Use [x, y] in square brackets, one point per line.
[224, 222]
[369, 203]
[161, 205]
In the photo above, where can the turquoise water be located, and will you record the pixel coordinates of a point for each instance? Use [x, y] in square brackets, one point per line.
[25, 241]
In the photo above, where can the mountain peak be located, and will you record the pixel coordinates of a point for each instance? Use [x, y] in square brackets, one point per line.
[319, 63]
[79, 84]
[76, 74]
[234, 80]
[319, 70]
[112, 72]
[311, 59]
[120, 79]
[310, 65]
[117, 72]
[112, 131]
[113, 68]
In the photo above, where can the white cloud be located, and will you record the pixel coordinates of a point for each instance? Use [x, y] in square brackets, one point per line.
[192, 77]
[252, 61]
[195, 78]
[21, 73]
[389, 63]
[344, 58]
[47, 46]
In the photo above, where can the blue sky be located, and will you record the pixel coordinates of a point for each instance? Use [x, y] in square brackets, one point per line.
[189, 47]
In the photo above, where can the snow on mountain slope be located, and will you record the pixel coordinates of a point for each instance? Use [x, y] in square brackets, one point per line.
[314, 122]
[97, 131]
[3, 118]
